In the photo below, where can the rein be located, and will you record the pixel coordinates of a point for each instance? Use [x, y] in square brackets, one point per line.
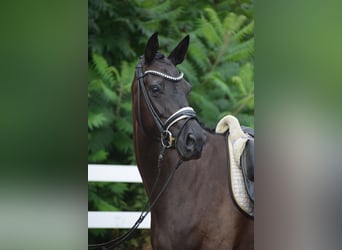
[167, 141]
[146, 210]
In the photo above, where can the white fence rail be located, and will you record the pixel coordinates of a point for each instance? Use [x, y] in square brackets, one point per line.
[120, 219]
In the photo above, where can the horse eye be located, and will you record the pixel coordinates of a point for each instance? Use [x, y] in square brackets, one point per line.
[155, 89]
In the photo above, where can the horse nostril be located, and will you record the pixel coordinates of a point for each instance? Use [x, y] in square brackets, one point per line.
[190, 142]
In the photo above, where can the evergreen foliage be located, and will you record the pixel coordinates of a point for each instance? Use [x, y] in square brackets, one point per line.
[219, 65]
[221, 51]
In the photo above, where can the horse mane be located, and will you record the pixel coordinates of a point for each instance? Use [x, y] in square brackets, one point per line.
[203, 126]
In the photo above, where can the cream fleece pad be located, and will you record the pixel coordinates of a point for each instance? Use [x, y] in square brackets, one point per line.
[236, 143]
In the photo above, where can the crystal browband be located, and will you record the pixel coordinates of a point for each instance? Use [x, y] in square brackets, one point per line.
[153, 72]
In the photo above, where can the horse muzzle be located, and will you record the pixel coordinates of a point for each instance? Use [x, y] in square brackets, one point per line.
[191, 141]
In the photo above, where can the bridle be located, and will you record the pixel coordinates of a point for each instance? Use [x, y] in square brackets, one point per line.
[168, 140]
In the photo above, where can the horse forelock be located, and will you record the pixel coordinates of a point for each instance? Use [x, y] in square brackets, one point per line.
[159, 55]
[160, 61]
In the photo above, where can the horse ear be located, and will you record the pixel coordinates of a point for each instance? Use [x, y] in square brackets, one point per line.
[151, 48]
[178, 54]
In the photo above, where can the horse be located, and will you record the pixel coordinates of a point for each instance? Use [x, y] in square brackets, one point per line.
[184, 166]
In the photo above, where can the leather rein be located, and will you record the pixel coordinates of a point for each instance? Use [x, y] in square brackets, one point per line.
[167, 141]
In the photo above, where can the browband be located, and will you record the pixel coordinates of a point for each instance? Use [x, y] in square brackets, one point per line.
[153, 72]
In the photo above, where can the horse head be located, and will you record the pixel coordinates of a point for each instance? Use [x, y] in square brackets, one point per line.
[160, 104]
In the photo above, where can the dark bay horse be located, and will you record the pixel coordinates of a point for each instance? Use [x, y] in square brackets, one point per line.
[195, 211]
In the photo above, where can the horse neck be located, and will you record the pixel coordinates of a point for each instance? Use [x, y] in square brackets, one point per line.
[148, 150]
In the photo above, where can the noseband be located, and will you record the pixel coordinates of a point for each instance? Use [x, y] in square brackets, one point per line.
[187, 113]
